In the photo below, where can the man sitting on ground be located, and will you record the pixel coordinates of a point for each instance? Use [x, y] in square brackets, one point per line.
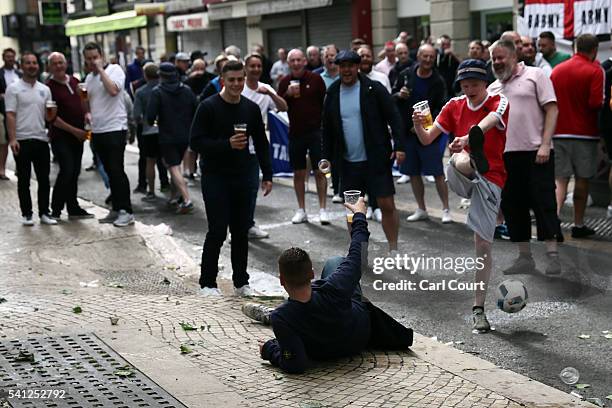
[328, 318]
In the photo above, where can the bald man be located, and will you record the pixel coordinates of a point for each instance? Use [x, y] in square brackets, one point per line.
[304, 92]
[67, 137]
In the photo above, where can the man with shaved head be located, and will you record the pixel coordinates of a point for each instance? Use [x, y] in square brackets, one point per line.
[67, 137]
[422, 82]
[533, 58]
[304, 92]
[198, 76]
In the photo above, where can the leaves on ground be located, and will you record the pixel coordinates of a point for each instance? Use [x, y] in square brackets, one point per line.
[583, 386]
[77, 309]
[2, 300]
[185, 349]
[125, 371]
[187, 327]
[584, 336]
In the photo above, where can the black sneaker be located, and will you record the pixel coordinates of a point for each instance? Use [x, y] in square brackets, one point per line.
[476, 140]
[140, 189]
[582, 232]
[501, 232]
[80, 214]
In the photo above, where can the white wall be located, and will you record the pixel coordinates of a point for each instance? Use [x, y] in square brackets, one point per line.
[412, 8]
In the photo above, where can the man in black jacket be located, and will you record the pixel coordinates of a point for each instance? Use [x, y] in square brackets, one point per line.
[173, 105]
[355, 136]
[218, 133]
[422, 83]
[328, 318]
[8, 74]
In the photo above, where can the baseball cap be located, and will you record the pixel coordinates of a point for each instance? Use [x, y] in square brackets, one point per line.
[471, 69]
[347, 56]
[182, 56]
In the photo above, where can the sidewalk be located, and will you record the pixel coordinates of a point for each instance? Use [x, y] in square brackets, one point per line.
[140, 275]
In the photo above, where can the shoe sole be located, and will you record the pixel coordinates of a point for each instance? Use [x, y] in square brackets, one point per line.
[81, 217]
[418, 219]
[123, 225]
[476, 140]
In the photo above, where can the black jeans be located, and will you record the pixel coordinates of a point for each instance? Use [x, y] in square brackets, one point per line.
[142, 163]
[110, 147]
[227, 199]
[530, 186]
[33, 152]
[253, 187]
[68, 153]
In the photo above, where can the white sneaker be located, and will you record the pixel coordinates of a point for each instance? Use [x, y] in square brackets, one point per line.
[369, 213]
[337, 199]
[27, 221]
[300, 216]
[243, 291]
[430, 179]
[419, 215]
[609, 214]
[256, 233]
[209, 292]
[323, 217]
[124, 219]
[446, 217]
[377, 215]
[465, 203]
[47, 220]
[403, 179]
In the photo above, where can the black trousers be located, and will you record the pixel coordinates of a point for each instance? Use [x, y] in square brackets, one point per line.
[110, 147]
[530, 186]
[142, 163]
[69, 153]
[35, 153]
[227, 199]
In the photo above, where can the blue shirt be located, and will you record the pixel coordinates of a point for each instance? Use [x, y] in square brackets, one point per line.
[328, 79]
[420, 92]
[352, 126]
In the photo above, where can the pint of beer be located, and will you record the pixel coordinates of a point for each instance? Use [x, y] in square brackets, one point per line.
[83, 91]
[51, 107]
[351, 197]
[240, 128]
[296, 85]
[423, 108]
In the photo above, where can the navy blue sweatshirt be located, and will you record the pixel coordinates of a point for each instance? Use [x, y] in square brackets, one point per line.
[333, 323]
[173, 105]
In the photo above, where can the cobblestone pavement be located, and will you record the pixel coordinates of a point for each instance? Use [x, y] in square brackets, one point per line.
[138, 275]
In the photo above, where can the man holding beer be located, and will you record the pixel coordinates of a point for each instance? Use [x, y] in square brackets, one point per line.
[28, 105]
[67, 137]
[356, 138]
[220, 132]
[420, 86]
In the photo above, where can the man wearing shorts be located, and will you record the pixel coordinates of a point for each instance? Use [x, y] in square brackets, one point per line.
[578, 85]
[173, 105]
[421, 82]
[304, 92]
[476, 169]
[358, 111]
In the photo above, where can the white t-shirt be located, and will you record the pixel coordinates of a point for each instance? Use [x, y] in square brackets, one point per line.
[10, 76]
[28, 102]
[380, 77]
[108, 113]
[265, 103]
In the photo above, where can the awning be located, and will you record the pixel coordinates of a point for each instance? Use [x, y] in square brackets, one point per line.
[113, 22]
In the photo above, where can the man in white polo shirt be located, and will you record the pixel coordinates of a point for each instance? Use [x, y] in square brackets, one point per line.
[25, 101]
[108, 116]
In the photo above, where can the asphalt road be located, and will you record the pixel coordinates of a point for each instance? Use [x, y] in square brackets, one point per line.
[537, 342]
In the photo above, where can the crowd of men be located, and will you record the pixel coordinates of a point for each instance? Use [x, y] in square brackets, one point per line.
[500, 109]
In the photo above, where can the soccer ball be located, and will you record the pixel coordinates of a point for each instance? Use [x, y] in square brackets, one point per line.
[511, 296]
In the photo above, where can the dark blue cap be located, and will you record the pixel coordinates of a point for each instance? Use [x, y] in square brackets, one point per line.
[471, 69]
[347, 56]
[167, 69]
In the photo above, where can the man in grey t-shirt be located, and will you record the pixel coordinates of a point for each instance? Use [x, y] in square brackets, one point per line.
[26, 112]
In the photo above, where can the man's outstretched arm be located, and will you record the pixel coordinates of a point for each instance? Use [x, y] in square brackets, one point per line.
[346, 277]
[286, 350]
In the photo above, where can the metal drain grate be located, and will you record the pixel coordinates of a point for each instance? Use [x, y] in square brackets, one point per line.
[144, 282]
[84, 367]
[602, 226]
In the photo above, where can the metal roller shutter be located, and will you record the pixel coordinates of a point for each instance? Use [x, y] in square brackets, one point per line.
[208, 41]
[234, 33]
[330, 25]
[288, 37]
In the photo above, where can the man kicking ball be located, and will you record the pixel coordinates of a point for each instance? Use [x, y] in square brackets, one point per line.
[327, 318]
[476, 169]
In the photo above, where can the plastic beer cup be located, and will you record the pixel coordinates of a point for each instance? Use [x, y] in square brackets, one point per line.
[423, 108]
[351, 197]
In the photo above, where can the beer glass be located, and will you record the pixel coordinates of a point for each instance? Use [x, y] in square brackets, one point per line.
[325, 167]
[423, 108]
[51, 107]
[83, 91]
[296, 85]
[351, 197]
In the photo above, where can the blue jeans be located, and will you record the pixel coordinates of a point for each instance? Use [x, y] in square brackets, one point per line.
[330, 267]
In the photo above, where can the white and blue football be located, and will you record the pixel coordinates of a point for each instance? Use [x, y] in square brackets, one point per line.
[511, 296]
